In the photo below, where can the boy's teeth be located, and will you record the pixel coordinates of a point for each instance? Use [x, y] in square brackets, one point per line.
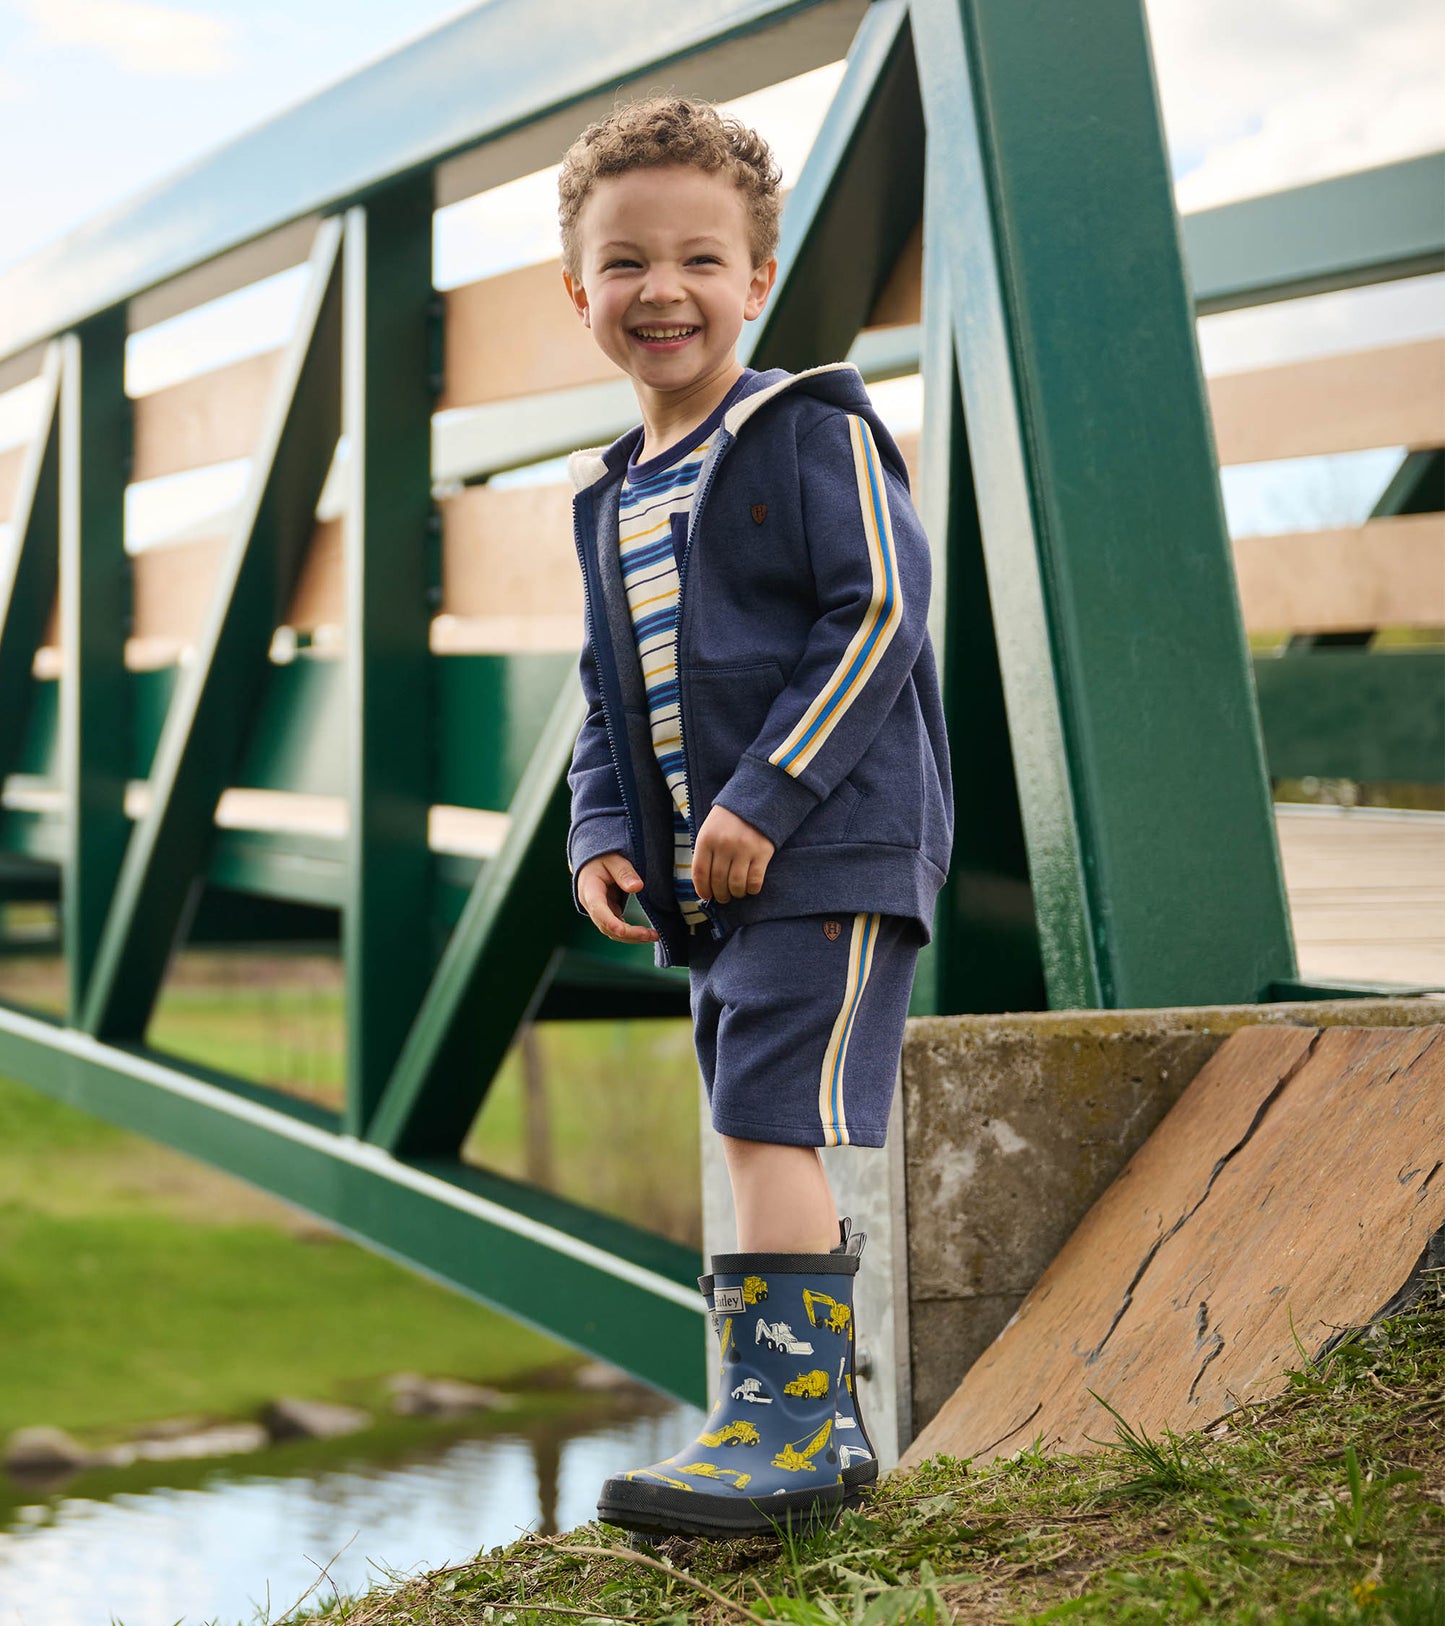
[662, 332]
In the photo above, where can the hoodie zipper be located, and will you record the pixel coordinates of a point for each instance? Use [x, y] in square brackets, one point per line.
[718, 929]
[611, 740]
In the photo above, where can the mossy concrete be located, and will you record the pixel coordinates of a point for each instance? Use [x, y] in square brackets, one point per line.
[1015, 1124]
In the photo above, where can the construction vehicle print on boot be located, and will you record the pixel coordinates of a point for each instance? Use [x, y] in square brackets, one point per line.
[791, 1460]
[729, 1350]
[737, 1433]
[740, 1480]
[754, 1288]
[813, 1384]
[779, 1336]
[751, 1390]
[838, 1316]
[845, 1381]
[643, 1474]
[847, 1455]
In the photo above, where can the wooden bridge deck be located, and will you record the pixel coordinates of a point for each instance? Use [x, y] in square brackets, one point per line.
[1366, 891]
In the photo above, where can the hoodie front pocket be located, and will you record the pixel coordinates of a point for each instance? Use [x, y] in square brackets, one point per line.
[727, 706]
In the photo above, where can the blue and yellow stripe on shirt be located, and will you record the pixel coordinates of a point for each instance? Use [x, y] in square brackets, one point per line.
[647, 512]
[880, 619]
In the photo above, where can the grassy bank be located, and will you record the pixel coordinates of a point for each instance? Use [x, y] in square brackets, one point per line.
[1326, 1504]
[138, 1285]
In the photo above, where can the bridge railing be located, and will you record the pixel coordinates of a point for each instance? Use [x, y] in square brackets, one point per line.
[343, 707]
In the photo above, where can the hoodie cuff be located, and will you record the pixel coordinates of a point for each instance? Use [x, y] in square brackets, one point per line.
[768, 798]
[602, 833]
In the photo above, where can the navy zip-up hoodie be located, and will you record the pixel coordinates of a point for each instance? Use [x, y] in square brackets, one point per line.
[808, 692]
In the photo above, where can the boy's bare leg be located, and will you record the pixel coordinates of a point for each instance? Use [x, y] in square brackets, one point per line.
[783, 1200]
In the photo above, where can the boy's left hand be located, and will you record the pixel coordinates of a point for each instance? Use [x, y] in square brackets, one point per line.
[730, 858]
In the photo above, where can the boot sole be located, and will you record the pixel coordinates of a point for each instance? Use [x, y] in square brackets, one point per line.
[659, 1510]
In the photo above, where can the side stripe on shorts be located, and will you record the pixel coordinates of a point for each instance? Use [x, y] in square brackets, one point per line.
[831, 1108]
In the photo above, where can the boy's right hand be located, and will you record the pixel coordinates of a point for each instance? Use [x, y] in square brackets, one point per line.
[603, 887]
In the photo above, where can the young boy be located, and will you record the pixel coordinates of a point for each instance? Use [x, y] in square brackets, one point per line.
[763, 767]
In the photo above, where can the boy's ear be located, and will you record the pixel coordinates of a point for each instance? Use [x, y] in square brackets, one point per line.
[578, 295]
[759, 288]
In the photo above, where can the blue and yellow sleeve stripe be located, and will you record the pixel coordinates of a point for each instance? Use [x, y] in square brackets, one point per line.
[880, 621]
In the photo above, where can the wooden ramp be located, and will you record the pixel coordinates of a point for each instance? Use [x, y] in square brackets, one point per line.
[1298, 1182]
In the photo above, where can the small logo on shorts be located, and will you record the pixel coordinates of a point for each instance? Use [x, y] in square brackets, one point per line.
[760, 512]
[728, 1300]
[832, 930]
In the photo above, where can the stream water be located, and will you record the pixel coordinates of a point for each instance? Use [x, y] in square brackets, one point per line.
[244, 1547]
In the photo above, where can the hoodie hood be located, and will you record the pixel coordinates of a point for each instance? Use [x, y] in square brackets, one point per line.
[838, 382]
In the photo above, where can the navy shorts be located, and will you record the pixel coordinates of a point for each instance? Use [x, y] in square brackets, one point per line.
[798, 1025]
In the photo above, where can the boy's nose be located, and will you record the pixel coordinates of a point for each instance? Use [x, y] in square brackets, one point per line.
[661, 288]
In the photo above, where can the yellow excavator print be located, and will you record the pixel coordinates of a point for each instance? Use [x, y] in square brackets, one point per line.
[727, 1341]
[838, 1316]
[666, 1479]
[738, 1433]
[793, 1461]
[740, 1480]
[754, 1288]
[813, 1384]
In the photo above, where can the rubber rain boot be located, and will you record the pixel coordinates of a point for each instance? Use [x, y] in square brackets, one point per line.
[767, 1459]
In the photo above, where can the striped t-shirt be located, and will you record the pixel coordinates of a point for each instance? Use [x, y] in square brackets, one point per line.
[653, 509]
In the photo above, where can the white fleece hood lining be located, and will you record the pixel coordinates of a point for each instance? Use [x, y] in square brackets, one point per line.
[587, 467]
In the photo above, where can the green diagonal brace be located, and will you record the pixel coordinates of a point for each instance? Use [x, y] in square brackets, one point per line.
[27, 580]
[497, 961]
[216, 698]
[858, 197]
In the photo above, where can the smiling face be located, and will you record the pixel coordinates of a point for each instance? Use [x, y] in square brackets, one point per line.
[665, 281]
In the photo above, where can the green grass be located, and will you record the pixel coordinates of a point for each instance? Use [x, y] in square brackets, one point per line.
[120, 1318]
[1325, 1504]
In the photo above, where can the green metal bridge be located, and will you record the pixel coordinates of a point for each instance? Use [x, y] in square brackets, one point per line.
[988, 202]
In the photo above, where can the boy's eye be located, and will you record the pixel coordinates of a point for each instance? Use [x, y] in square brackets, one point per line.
[705, 259]
[616, 265]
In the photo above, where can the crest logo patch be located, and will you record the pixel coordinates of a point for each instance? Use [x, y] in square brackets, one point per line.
[832, 930]
[760, 512]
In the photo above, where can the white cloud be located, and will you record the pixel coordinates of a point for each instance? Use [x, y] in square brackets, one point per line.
[1259, 97]
[138, 36]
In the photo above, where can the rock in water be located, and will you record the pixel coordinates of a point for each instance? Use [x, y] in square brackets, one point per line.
[44, 1451]
[291, 1418]
[416, 1396]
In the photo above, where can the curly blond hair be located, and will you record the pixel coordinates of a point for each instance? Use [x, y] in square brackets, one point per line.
[671, 130]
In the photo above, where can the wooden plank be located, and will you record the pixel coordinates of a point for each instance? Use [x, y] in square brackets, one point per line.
[516, 334]
[1392, 396]
[1366, 892]
[12, 460]
[211, 418]
[510, 552]
[1291, 1191]
[1385, 573]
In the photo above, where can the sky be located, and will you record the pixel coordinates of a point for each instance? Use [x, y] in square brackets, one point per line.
[100, 99]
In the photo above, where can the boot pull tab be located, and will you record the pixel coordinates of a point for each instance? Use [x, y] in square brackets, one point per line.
[849, 1240]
